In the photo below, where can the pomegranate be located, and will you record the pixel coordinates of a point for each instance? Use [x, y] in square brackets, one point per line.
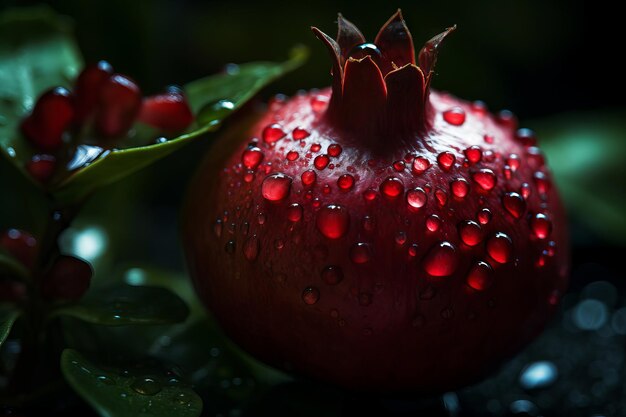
[379, 235]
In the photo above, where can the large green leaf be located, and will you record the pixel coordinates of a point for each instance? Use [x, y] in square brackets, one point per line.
[115, 393]
[128, 305]
[7, 318]
[37, 52]
[587, 153]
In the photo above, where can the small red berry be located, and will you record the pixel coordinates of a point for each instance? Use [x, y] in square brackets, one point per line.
[52, 116]
[88, 86]
[67, 280]
[169, 111]
[118, 106]
[21, 245]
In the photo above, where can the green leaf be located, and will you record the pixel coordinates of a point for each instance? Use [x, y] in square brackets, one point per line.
[7, 318]
[114, 393]
[212, 100]
[128, 305]
[586, 152]
[37, 52]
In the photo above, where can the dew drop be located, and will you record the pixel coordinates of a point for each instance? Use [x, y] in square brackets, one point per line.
[360, 253]
[334, 150]
[470, 232]
[292, 155]
[446, 160]
[441, 260]
[500, 247]
[473, 154]
[441, 196]
[484, 216]
[332, 275]
[251, 248]
[294, 212]
[514, 204]
[488, 139]
[319, 103]
[276, 187]
[368, 223]
[251, 157]
[541, 225]
[310, 295]
[506, 118]
[480, 276]
[366, 49]
[525, 190]
[479, 108]
[146, 386]
[416, 198]
[400, 238]
[218, 227]
[459, 187]
[248, 176]
[542, 182]
[333, 221]
[513, 161]
[315, 147]
[261, 218]
[433, 222]
[321, 161]
[369, 194]
[299, 133]
[345, 182]
[412, 251]
[455, 116]
[535, 157]
[420, 165]
[399, 166]
[391, 187]
[485, 178]
[273, 133]
[526, 137]
[308, 177]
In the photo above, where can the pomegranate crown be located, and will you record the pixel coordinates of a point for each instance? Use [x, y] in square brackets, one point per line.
[378, 88]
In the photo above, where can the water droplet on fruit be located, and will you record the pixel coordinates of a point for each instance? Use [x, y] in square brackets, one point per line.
[525, 190]
[391, 187]
[369, 194]
[455, 116]
[459, 187]
[488, 139]
[146, 386]
[542, 182]
[412, 251]
[538, 375]
[526, 137]
[230, 246]
[273, 133]
[400, 238]
[360, 253]
[441, 260]
[294, 212]
[308, 177]
[514, 204]
[261, 218]
[399, 166]
[332, 275]
[321, 161]
[500, 247]
[441, 196]
[334, 150]
[433, 222]
[218, 226]
[345, 182]
[276, 187]
[470, 232]
[446, 160]
[105, 380]
[366, 49]
[484, 216]
[292, 155]
[479, 108]
[506, 118]
[251, 157]
[299, 133]
[248, 176]
[513, 161]
[251, 248]
[310, 295]
[541, 225]
[535, 157]
[480, 276]
[333, 221]
[319, 103]
[416, 198]
[368, 223]
[420, 165]
[315, 147]
[473, 154]
[485, 178]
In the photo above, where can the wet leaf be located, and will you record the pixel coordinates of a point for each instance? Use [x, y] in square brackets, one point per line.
[128, 305]
[115, 393]
[7, 318]
[37, 52]
[586, 153]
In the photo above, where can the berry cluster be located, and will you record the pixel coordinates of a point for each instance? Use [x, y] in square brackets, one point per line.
[66, 279]
[103, 105]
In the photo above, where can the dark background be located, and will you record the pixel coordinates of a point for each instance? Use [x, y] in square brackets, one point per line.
[546, 61]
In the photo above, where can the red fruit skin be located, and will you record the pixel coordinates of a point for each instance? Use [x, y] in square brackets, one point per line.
[68, 279]
[118, 106]
[88, 88]
[52, 115]
[41, 167]
[169, 112]
[21, 245]
[388, 325]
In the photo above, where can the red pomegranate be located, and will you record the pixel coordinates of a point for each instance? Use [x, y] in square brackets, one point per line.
[379, 235]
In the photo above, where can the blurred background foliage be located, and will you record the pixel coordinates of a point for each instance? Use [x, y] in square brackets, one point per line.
[555, 64]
